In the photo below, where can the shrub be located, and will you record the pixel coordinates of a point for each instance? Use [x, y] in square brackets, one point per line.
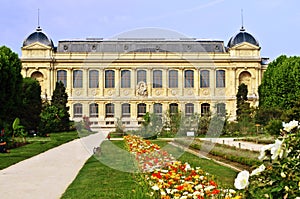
[279, 175]
[274, 126]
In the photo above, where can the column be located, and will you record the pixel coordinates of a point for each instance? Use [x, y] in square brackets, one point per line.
[212, 82]
[133, 81]
[181, 81]
[196, 82]
[149, 81]
[117, 81]
[164, 81]
[101, 82]
[69, 80]
[85, 82]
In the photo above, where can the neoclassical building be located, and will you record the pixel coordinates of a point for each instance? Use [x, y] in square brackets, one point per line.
[124, 78]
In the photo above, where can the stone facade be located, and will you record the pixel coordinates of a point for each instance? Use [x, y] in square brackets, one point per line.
[125, 78]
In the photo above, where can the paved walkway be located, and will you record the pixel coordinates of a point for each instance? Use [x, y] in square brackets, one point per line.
[47, 175]
[235, 142]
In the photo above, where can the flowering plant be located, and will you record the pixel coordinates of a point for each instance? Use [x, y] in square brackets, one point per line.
[169, 178]
[279, 175]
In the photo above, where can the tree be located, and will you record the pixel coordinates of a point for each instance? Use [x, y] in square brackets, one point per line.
[10, 86]
[60, 100]
[243, 107]
[280, 87]
[55, 116]
[31, 103]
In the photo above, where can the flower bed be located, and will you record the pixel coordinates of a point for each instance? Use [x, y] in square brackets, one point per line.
[169, 178]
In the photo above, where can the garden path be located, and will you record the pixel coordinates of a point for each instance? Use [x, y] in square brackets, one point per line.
[235, 142]
[48, 174]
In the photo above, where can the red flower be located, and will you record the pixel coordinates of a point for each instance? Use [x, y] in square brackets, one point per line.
[215, 191]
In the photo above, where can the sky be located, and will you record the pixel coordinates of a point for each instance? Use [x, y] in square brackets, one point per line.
[274, 23]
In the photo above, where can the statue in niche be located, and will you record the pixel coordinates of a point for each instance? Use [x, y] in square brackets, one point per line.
[142, 89]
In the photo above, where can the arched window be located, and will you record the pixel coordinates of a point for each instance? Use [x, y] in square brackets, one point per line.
[141, 76]
[141, 109]
[157, 79]
[62, 77]
[189, 79]
[173, 79]
[125, 79]
[245, 77]
[77, 109]
[93, 79]
[173, 108]
[157, 109]
[126, 110]
[94, 110]
[204, 78]
[77, 79]
[205, 109]
[109, 79]
[109, 110]
[189, 109]
[221, 109]
[220, 78]
[40, 78]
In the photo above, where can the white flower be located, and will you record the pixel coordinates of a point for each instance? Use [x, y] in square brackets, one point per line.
[155, 187]
[241, 181]
[277, 150]
[263, 151]
[282, 174]
[260, 169]
[187, 167]
[290, 126]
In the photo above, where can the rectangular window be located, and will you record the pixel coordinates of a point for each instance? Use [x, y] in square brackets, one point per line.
[126, 110]
[77, 79]
[157, 79]
[205, 109]
[62, 77]
[173, 108]
[173, 79]
[157, 109]
[189, 109]
[94, 110]
[220, 79]
[77, 108]
[109, 79]
[109, 110]
[221, 109]
[125, 79]
[141, 76]
[141, 110]
[204, 78]
[93, 79]
[189, 79]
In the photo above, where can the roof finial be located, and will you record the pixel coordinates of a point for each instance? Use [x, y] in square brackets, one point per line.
[38, 21]
[242, 17]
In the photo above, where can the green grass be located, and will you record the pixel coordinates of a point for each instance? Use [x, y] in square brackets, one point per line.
[231, 153]
[97, 180]
[223, 175]
[36, 145]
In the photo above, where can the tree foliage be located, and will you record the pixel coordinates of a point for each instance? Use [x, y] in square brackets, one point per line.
[60, 100]
[55, 116]
[280, 87]
[31, 103]
[10, 85]
[243, 107]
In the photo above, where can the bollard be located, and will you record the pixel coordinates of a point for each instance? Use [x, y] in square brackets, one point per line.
[239, 145]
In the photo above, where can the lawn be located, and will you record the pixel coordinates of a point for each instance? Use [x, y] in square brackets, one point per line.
[96, 180]
[36, 145]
